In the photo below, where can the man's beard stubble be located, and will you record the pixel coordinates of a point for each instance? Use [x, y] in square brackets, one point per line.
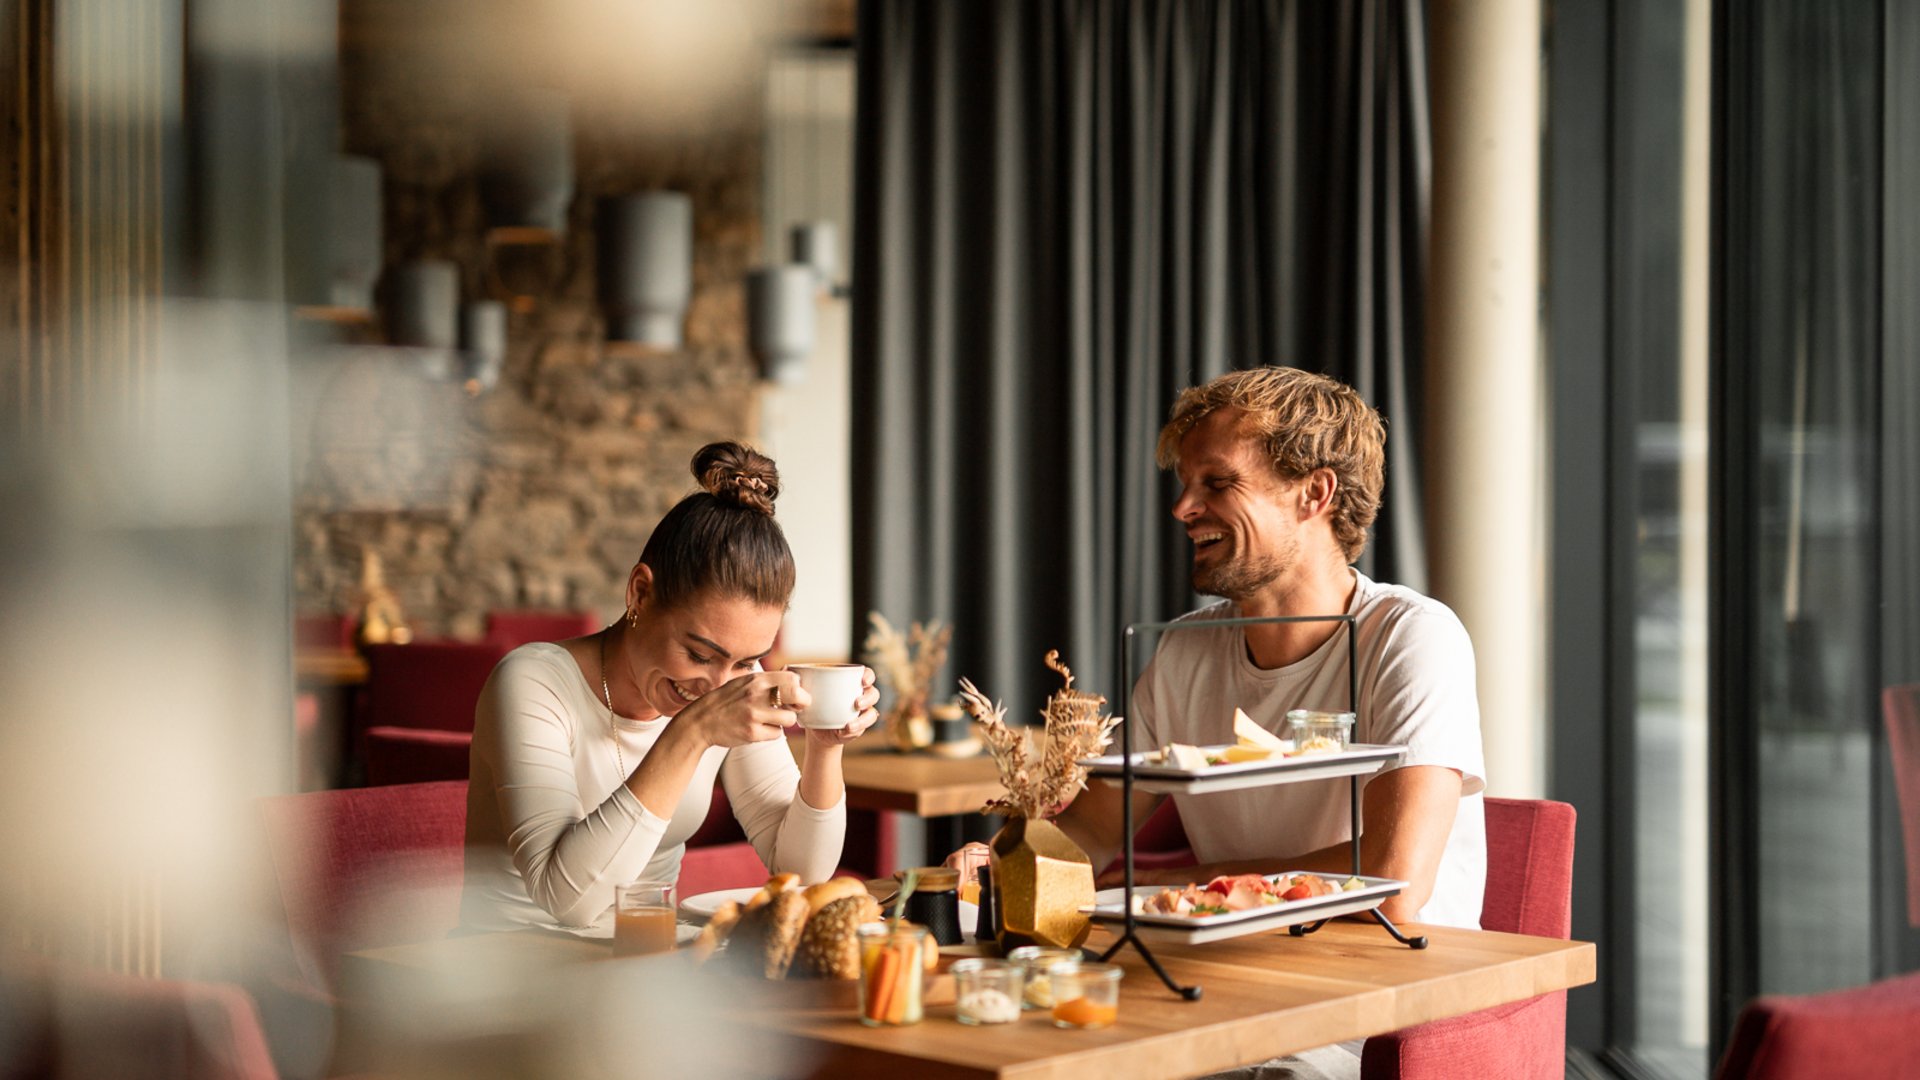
[1239, 579]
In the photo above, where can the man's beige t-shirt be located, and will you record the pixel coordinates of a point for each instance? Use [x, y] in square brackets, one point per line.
[1416, 688]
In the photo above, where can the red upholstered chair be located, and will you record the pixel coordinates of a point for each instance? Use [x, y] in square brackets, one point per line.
[1160, 843]
[366, 867]
[1529, 891]
[67, 1021]
[1866, 1033]
[316, 631]
[1902, 707]
[513, 629]
[416, 755]
[427, 684]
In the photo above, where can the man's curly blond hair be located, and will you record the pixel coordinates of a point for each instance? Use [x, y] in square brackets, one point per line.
[1305, 422]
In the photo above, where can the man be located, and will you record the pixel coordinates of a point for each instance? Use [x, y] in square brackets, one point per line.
[1280, 474]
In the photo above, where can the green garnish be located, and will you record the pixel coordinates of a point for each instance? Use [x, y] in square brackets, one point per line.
[1208, 909]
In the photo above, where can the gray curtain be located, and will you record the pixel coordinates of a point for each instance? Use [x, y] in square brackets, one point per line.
[1067, 211]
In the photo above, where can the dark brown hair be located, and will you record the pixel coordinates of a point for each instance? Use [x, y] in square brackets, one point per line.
[723, 539]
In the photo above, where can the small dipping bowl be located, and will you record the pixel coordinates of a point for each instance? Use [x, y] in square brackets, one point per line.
[987, 991]
[1085, 996]
[1306, 724]
[1035, 960]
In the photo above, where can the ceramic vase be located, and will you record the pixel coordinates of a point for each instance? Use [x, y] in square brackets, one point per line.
[1044, 879]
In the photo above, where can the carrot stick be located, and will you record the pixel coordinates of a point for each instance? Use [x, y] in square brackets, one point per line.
[907, 968]
[880, 984]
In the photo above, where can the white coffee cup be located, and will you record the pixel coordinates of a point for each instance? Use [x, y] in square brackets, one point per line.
[834, 692]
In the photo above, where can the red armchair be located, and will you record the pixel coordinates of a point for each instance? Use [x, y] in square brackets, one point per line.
[428, 684]
[397, 755]
[1866, 1033]
[72, 1021]
[513, 629]
[366, 867]
[1529, 891]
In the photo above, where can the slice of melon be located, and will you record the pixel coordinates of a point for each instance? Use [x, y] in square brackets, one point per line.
[1253, 736]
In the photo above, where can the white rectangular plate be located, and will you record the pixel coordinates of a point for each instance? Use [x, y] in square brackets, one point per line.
[1200, 929]
[1358, 759]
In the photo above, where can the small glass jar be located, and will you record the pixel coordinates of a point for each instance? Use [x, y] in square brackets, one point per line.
[1313, 731]
[1086, 995]
[1034, 961]
[987, 991]
[892, 973]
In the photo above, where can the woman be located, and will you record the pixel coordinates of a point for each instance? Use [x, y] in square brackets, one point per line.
[594, 759]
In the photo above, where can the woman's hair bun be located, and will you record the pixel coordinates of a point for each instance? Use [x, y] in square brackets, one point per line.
[738, 475]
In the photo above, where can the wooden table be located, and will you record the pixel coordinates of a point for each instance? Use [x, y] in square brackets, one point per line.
[881, 779]
[315, 666]
[1266, 996]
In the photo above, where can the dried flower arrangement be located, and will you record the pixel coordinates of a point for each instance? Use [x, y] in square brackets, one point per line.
[906, 664]
[1040, 767]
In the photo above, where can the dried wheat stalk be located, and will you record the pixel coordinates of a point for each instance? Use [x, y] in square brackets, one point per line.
[1040, 767]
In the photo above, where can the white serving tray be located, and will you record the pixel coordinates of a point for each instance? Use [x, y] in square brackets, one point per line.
[1358, 759]
[1200, 929]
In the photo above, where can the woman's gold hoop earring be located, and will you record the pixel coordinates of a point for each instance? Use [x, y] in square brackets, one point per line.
[633, 619]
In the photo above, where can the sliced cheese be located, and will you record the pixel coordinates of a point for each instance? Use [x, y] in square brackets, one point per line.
[1182, 756]
[1248, 753]
[1252, 735]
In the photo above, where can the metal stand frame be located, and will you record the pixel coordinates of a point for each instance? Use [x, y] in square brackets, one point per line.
[1129, 934]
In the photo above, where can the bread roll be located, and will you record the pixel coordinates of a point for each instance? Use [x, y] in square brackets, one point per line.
[819, 896]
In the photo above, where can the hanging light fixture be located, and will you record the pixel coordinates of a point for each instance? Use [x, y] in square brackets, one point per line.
[483, 343]
[780, 318]
[526, 167]
[355, 238]
[645, 268]
[423, 314]
[816, 244]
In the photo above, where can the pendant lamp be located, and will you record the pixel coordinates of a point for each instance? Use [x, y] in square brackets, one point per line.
[645, 270]
[780, 317]
[424, 312]
[483, 343]
[816, 244]
[526, 166]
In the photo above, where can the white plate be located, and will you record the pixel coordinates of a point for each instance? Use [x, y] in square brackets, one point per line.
[1358, 759]
[705, 904]
[1199, 929]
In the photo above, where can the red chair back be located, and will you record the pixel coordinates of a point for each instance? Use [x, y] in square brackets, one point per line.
[416, 755]
[1902, 707]
[367, 867]
[66, 1020]
[515, 628]
[1529, 891]
[1867, 1033]
[1529, 868]
[428, 684]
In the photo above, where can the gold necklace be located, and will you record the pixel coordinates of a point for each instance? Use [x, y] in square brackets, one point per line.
[612, 717]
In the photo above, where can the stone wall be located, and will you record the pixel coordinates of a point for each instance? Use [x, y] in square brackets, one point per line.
[541, 492]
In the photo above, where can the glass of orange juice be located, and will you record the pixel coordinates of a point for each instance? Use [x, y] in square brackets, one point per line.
[643, 918]
[1085, 995]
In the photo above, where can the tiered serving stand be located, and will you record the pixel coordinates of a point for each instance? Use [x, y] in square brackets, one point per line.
[1298, 917]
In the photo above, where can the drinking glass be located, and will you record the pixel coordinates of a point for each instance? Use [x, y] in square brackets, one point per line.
[892, 970]
[1085, 995]
[643, 918]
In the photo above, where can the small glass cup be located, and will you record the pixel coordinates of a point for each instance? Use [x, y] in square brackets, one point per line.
[1035, 960]
[987, 991]
[892, 973]
[643, 918]
[1307, 725]
[1085, 995]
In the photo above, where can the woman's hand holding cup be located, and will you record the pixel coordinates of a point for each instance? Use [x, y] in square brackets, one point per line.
[827, 721]
[752, 708]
